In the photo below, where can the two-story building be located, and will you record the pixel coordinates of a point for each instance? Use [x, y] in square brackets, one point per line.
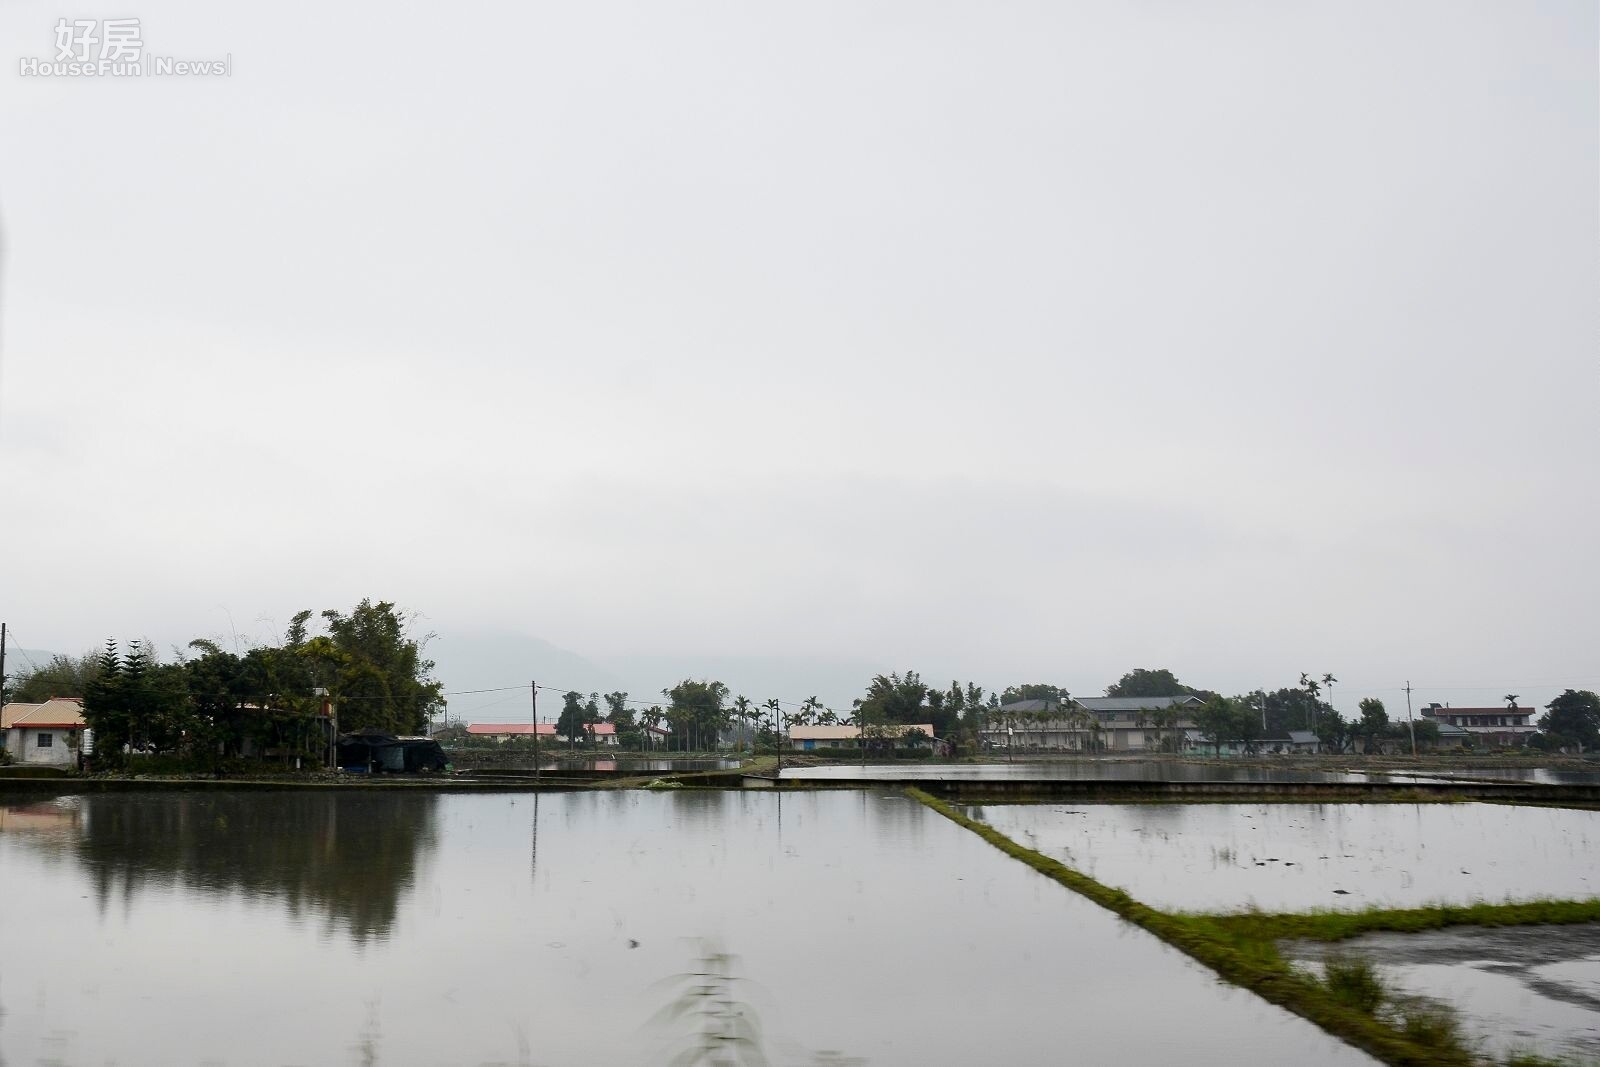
[1093, 724]
[1501, 727]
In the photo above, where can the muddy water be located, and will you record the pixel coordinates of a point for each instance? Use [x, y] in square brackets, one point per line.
[1519, 989]
[410, 928]
[1294, 857]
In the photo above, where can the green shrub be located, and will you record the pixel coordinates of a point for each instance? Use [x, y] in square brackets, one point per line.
[1354, 982]
[1432, 1026]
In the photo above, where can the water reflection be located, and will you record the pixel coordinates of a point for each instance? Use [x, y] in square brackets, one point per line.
[1518, 989]
[349, 859]
[1066, 770]
[536, 928]
[626, 767]
[1291, 857]
[49, 818]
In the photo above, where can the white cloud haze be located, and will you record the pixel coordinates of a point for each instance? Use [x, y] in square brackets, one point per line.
[1011, 341]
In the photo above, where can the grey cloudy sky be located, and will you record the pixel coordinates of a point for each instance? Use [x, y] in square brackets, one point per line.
[1014, 341]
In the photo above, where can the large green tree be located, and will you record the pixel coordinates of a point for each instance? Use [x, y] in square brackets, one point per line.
[1573, 718]
[218, 696]
[1034, 691]
[697, 714]
[903, 699]
[1283, 710]
[136, 702]
[574, 717]
[1334, 732]
[373, 668]
[59, 676]
[1222, 719]
[1143, 682]
[1373, 724]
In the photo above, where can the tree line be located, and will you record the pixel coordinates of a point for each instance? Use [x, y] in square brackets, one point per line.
[208, 700]
[699, 715]
[206, 703]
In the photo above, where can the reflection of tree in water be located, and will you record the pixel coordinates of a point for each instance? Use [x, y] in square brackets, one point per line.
[348, 855]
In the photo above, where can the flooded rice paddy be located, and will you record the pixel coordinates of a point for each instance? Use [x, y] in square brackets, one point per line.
[1298, 857]
[1536, 775]
[1517, 989]
[1067, 770]
[571, 928]
[626, 766]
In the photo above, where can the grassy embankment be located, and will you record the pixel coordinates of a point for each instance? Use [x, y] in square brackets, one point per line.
[1351, 1003]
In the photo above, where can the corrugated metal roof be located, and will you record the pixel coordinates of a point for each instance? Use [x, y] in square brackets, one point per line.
[57, 712]
[1134, 703]
[1037, 704]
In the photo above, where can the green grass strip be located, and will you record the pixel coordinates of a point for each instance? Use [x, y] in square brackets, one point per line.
[1238, 959]
[1338, 926]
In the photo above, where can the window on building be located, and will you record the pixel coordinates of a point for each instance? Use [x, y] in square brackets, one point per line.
[47, 740]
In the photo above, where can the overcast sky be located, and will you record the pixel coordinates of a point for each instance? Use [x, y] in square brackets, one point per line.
[1007, 341]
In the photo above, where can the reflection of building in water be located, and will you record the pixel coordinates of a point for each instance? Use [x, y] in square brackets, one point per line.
[47, 817]
[350, 856]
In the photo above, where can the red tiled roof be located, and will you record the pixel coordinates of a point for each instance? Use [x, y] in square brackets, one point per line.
[55, 713]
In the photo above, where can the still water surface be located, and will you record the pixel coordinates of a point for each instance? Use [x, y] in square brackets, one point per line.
[1295, 857]
[1517, 989]
[1066, 770]
[418, 928]
[621, 766]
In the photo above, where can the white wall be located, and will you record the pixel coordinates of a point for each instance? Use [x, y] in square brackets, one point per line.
[23, 744]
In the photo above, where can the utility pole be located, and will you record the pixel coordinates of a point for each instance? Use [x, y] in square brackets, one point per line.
[533, 693]
[2, 663]
[777, 729]
[1409, 724]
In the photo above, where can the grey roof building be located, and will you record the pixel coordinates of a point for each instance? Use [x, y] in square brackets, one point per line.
[1134, 703]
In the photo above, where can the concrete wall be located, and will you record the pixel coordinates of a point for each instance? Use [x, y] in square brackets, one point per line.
[23, 744]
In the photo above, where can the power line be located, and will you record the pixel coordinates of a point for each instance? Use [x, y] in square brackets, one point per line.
[11, 640]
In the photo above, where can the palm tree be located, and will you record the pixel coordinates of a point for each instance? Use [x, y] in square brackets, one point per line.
[1309, 684]
[652, 718]
[740, 711]
[1511, 701]
[775, 714]
[1328, 680]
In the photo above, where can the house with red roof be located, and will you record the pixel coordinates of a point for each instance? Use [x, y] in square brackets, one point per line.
[49, 733]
